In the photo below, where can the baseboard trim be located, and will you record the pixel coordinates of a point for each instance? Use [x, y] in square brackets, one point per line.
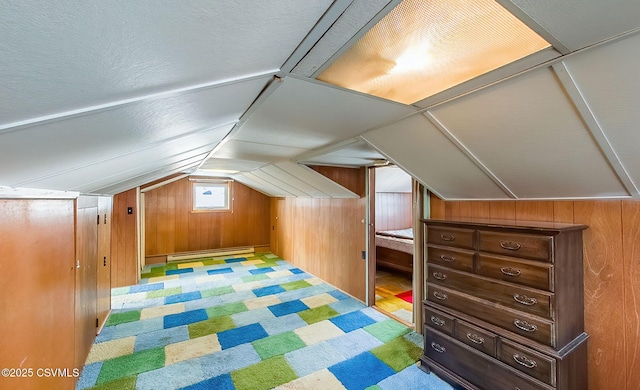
[210, 253]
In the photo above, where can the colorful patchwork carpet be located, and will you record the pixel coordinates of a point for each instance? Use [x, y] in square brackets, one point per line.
[252, 322]
[396, 302]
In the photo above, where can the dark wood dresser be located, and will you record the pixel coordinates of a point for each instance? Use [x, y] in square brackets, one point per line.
[504, 305]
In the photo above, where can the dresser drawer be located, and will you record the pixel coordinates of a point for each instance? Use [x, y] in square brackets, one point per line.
[475, 337]
[476, 367]
[525, 272]
[526, 299]
[528, 361]
[438, 320]
[519, 245]
[532, 327]
[460, 238]
[452, 258]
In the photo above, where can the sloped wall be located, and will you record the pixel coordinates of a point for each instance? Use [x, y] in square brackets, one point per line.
[611, 274]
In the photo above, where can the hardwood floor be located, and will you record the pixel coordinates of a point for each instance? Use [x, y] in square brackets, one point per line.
[390, 283]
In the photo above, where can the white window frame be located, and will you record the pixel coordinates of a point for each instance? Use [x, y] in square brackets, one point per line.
[215, 185]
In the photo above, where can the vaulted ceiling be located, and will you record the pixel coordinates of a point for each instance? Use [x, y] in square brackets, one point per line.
[101, 97]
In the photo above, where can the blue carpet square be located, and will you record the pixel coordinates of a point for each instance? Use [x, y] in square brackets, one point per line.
[189, 317]
[261, 292]
[361, 371]
[190, 296]
[220, 271]
[235, 260]
[282, 309]
[179, 271]
[339, 295]
[261, 271]
[146, 287]
[161, 338]
[413, 377]
[222, 382]
[244, 334]
[296, 271]
[352, 321]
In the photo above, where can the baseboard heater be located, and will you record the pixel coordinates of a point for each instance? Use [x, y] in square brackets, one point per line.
[210, 253]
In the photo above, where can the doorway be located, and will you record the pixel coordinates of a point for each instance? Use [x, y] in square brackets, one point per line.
[391, 242]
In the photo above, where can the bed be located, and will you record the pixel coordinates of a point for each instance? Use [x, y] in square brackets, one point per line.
[394, 249]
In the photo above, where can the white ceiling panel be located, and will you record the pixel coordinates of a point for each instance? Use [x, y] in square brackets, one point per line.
[279, 183]
[315, 179]
[581, 23]
[527, 133]
[148, 177]
[310, 115]
[231, 165]
[46, 149]
[423, 151]
[303, 186]
[613, 95]
[392, 179]
[252, 151]
[261, 185]
[355, 154]
[65, 55]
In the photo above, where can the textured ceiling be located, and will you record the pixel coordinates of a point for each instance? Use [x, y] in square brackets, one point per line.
[98, 98]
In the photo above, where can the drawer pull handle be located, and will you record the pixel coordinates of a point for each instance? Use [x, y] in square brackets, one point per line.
[439, 348]
[474, 338]
[524, 325]
[510, 245]
[447, 237]
[440, 296]
[525, 300]
[439, 275]
[523, 360]
[510, 271]
[437, 321]
[447, 258]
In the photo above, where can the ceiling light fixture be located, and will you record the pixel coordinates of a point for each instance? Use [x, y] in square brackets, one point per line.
[424, 47]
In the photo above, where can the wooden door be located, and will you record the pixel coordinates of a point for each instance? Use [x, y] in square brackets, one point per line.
[86, 276]
[371, 231]
[103, 304]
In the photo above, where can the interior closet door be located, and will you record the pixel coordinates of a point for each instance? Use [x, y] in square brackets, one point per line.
[86, 276]
[103, 304]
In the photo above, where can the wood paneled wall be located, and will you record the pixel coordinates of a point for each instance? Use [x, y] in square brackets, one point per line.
[37, 256]
[172, 227]
[352, 179]
[611, 275]
[393, 210]
[124, 243]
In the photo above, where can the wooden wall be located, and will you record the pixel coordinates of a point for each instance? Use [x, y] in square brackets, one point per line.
[37, 256]
[324, 237]
[172, 227]
[349, 178]
[611, 275]
[393, 210]
[124, 246]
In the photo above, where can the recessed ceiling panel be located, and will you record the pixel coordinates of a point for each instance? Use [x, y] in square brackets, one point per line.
[309, 115]
[530, 136]
[608, 78]
[64, 55]
[424, 152]
[252, 151]
[579, 23]
[56, 146]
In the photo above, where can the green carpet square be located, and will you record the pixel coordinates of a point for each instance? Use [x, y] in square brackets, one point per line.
[386, 330]
[120, 291]
[264, 375]
[171, 266]
[133, 364]
[278, 345]
[226, 310]
[317, 314]
[118, 384]
[253, 278]
[267, 263]
[121, 318]
[165, 292]
[214, 292]
[295, 285]
[210, 326]
[212, 262]
[398, 353]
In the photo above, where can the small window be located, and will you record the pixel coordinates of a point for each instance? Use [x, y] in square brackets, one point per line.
[211, 196]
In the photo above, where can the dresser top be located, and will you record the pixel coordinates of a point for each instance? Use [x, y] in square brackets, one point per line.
[507, 224]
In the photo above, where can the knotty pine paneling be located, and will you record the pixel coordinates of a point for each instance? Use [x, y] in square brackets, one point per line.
[38, 289]
[611, 275]
[352, 179]
[172, 227]
[393, 210]
[124, 243]
[325, 237]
